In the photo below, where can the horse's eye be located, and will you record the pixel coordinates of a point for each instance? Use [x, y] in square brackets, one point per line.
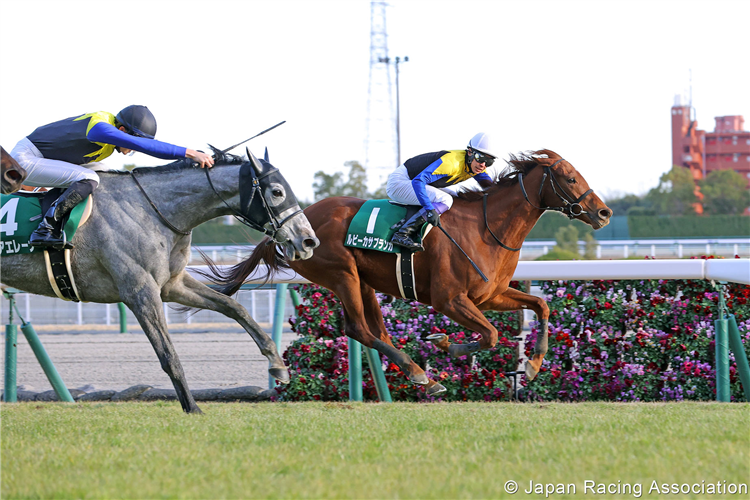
[278, 193]
[572, 180]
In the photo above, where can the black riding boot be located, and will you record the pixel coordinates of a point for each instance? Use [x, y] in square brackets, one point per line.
[50, 231]
[405, 236]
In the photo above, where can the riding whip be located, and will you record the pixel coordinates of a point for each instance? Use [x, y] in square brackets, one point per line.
[253, 137]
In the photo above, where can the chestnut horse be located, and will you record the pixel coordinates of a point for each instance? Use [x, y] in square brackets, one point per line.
[490, 225]
[13, 174]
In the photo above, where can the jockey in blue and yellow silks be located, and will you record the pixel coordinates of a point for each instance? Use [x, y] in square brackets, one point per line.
[62, 154]
[426, 180]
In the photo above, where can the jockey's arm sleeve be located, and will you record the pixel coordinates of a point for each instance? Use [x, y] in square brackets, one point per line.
[420, 182]
[109, 134]
[484, 180]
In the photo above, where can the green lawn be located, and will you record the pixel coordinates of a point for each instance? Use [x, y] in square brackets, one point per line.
[335, 450]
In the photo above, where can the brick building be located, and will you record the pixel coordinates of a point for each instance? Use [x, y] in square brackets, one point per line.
[727, 147]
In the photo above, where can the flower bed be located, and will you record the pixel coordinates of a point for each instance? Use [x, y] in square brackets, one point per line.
[635, 340]
[609, 340]
[319, 363]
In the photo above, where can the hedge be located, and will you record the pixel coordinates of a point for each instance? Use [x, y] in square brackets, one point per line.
[716, 226]
[647, 340]
[217, 233]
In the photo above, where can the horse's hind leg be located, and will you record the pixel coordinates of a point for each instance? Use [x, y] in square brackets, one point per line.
[350, 293]
[511, 300]
[188, 291]
[374, 318]
[148, 309]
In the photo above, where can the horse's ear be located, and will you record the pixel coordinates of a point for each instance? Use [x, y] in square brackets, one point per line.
[265, 156]
[256, 164]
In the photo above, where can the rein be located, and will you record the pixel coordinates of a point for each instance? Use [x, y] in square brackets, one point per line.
[486, 224]
[164, 219]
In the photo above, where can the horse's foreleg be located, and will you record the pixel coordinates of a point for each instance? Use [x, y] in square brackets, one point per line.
[188, 291]
[513, 299]
[149, 310]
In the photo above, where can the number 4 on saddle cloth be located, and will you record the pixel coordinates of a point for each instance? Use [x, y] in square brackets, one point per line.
[20, 215]
[372, 229]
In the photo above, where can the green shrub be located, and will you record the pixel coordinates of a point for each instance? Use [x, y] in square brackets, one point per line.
[689, 226]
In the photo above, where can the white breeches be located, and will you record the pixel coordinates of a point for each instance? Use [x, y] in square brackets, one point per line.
[44, 172]
[399, 189]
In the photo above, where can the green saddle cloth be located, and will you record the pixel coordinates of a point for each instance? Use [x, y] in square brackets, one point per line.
[371, 229]
[21, 215]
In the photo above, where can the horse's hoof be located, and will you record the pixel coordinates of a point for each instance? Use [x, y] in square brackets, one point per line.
[531, 373]
[420, 379]
[458, 350]
[440, 340]
[280, 374]
[436, 338]
[436, 389]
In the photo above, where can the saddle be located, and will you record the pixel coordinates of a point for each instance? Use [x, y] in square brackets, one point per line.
[372, 229]
[20, 214]
[375, 223]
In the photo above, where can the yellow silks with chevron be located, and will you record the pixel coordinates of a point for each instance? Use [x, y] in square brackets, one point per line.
[94, 118]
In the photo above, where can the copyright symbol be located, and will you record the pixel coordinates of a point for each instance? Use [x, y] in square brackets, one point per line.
[511, 486]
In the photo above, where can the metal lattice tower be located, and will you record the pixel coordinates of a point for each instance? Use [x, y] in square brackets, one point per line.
[381, 155]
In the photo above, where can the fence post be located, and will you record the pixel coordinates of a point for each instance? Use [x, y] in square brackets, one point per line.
[63, 394]
[376, 368]
[278, 323]
[295, 299]
[11, 355]
[355, 370]
[722, 360]
[721, 330]
[740, 357]
[123, 317]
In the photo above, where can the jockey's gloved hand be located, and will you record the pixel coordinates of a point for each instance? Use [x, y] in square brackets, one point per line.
[432, 217]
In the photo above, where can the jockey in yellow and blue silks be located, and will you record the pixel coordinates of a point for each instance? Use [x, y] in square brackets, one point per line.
[63, 153]
[427, 179]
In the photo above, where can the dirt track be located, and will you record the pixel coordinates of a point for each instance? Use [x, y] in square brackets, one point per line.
[212, 355]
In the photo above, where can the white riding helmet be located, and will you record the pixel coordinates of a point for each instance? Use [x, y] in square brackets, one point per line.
[481, 142]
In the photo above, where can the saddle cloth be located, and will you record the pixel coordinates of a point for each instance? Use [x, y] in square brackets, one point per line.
[20, 215]
[371, 228]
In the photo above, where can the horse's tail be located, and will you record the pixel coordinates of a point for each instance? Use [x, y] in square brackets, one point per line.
[230, 280]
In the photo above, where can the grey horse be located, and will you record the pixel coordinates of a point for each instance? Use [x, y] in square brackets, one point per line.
[13, 174]
[136, 244]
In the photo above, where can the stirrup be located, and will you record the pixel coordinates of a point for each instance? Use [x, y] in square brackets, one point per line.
[50, 240]
[406, 242]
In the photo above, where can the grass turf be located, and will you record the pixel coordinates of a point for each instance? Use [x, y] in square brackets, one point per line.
[355, 450]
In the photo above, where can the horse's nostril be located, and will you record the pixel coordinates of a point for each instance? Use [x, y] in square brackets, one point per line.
[311, 242]
[605, 213]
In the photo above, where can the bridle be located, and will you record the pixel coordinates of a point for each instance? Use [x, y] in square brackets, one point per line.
[571, 207]
[248, 176]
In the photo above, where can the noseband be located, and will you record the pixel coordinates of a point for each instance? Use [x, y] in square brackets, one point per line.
[248, 175]
[571, 207]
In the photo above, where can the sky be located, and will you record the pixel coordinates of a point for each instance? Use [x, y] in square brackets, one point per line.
[591, 80]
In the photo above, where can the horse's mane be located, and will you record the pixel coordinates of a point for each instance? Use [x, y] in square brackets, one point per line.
[181, 164]
[522, 163]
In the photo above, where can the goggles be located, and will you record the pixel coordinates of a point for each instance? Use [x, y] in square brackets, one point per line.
[482, 158]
